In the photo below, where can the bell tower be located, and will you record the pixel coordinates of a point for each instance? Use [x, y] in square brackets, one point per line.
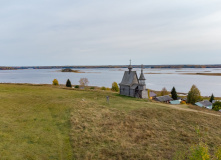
[142, 78]
[142, 85]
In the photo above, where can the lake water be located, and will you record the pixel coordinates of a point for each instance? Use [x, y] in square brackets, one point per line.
[105, 77]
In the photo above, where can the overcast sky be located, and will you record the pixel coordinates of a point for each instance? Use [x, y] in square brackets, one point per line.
[105, 32]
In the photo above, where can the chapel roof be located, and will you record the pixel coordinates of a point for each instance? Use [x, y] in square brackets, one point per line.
[142, 76]
[129, 78]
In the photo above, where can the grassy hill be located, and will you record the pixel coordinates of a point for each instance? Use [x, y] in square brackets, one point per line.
[49, 122]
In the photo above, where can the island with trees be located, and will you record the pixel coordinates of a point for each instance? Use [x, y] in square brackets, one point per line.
[70, 70]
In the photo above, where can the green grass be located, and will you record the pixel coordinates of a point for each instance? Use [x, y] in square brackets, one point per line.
[34, 123]
[51, 122]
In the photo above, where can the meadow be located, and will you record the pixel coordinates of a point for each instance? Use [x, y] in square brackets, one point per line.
[55, 122]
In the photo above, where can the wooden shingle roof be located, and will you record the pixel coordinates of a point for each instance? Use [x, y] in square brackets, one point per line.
[164, 98]
[129, 78]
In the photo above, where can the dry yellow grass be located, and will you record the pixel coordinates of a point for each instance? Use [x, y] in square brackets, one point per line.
[149, 131]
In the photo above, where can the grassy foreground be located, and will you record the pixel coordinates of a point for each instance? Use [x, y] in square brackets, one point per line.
[48, 122]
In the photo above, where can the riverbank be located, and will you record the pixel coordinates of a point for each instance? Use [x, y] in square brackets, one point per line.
[181, 94]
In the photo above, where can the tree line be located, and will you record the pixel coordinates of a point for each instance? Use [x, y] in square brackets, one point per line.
[84, 82]
[110, 66]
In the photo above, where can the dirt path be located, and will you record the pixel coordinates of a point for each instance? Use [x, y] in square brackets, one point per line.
[178, 107]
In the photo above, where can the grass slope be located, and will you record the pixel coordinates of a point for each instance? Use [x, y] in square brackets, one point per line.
[34, 123]
[46, 122]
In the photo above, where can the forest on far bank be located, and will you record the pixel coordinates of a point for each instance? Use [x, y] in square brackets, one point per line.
[110, 66]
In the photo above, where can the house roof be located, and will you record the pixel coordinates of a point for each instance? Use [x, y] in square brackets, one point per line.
[164, 98]
[205, 103]
[129, 78]
[152, 94]
[175, 102]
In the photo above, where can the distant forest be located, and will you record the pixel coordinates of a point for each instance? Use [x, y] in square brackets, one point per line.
[110, 66]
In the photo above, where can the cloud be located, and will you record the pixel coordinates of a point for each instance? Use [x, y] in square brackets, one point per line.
[47, 32]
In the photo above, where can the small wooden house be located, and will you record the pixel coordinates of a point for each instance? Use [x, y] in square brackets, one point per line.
[165, 99]
[207, 104]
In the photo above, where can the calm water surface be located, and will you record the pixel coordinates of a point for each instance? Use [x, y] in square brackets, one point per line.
[105, 77]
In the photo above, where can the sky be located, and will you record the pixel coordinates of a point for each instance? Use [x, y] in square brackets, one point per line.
[104, 32]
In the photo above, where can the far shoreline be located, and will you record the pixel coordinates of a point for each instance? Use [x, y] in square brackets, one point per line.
[201, 74]
[112, 66]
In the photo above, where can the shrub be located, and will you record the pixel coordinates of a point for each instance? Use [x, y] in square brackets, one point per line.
[108, 89]
[83, 82]
[182, 102]
[217, 106]
[218, 153]
[193, 95]
[115, 87]
[199, 151]
[103, 88]
[55, 82]
[92, 87]
[163, 92]
[68, 83]
[77, 86]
